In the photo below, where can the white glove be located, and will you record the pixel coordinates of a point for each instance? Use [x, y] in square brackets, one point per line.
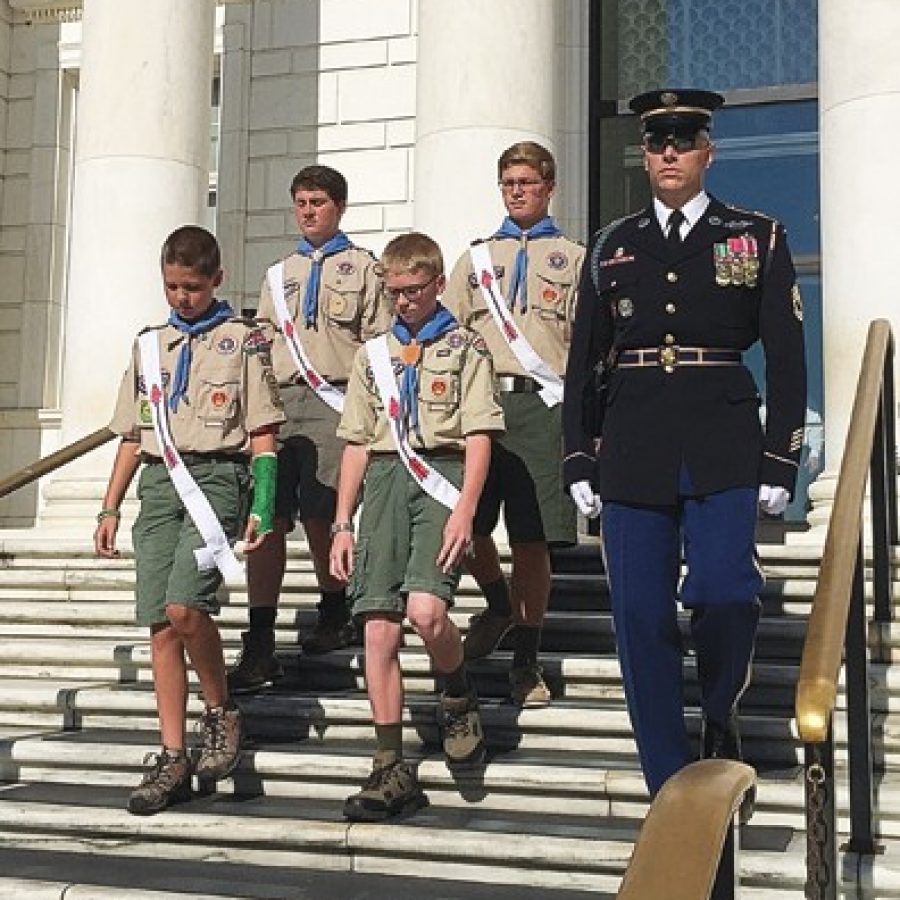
[585, 499]
[773, 500]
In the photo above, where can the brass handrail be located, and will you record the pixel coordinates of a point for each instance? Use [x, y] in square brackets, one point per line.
[822, 649]
[679, 849]
[52, 462]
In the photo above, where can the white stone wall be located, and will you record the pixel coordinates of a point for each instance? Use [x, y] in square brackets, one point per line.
[302, 82]
[35, 126]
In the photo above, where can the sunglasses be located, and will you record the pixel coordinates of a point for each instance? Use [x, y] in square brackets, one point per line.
[683, 143]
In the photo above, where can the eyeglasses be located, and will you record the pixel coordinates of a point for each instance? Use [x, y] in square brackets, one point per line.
[522, 184]
[683, 143]
[411, 292]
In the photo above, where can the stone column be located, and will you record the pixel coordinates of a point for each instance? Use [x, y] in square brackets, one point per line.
[859, 113]
[141, 169]
[485, 79]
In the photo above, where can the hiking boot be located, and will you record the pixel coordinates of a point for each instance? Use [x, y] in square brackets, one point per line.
[486, 630]
[528, 688]
[328, 635]
[461, 729]
[165, 783]
[220, 752]
[390, 790]
[257, 667]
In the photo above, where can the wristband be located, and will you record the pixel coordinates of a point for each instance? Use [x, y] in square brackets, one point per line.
[338, 527]
[108, 513]
[265, 472]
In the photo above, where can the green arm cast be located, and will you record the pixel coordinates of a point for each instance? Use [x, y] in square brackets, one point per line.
[265, 472]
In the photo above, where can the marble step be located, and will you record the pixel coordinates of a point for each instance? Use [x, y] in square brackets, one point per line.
[550, 851]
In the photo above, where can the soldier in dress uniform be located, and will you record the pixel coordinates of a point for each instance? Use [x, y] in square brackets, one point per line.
[518, 289]
[662, 426]
[325, 299]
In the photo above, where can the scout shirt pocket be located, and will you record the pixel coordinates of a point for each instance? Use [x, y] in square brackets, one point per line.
[341, 293]
[218, 400]
[439, 393]
[554, 285]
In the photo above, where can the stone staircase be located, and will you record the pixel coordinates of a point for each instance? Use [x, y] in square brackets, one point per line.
[556, 807]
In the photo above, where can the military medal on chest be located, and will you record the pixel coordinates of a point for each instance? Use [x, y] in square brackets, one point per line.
[736, 261]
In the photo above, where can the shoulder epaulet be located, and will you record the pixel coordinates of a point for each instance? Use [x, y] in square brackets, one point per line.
[600, 238]
[739, 210]
[152, 328]
[477, 241]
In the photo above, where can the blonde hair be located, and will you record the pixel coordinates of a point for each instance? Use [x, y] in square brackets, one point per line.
[413, 252]
[528, 153]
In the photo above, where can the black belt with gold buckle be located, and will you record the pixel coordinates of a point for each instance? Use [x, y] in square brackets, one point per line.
[670, 356]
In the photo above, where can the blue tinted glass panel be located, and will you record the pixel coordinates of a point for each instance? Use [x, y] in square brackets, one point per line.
[731, 44]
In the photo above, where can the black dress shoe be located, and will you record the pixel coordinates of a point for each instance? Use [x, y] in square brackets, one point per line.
[724, 742]
[721, 741]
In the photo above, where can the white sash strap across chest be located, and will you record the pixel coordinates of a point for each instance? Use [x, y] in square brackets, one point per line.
[551, 391]
[217, 551]
[326, 391]
[428, 478]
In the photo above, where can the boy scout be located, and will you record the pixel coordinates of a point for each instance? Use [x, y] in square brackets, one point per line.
[326, 300]
[418, 421]
[198, 396]
[671, 297]
[518, 289]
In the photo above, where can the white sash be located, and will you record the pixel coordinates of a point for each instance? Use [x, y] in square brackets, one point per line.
[217, 551]
[326, 391]
[551, 384]
[430, 480]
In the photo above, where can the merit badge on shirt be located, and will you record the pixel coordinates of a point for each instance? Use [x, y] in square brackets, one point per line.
[226, 345]
[145, 416]
[549, 295]
[557, 260]
[219, 399]
[797, 302]
[438, 387]
[454, 340]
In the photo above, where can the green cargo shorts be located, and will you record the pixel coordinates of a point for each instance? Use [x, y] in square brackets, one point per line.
[525, 476]
[309, 457]
[401, 530]
[165, 537]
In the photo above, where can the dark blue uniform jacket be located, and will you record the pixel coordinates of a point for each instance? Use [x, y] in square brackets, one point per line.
[633, 436]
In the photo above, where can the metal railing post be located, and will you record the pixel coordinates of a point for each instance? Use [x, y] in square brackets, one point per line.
[859, 719]
[881, 562]
[727, 885]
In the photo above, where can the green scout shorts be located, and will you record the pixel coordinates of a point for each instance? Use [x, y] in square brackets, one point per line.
[309, 457]
[525, 476]
[165, 537]
[401, 530]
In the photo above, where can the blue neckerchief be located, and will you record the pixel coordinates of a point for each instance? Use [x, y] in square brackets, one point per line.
[518, 281]
[339, 242]
[440, 323]
[218, 312]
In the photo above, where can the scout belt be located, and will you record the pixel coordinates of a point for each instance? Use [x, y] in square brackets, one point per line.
[518, 384]
[671, 356]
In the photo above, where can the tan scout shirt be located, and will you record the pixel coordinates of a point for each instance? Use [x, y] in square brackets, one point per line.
[456, 396]
[231, 390]
[352, 308]
[554, 267]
